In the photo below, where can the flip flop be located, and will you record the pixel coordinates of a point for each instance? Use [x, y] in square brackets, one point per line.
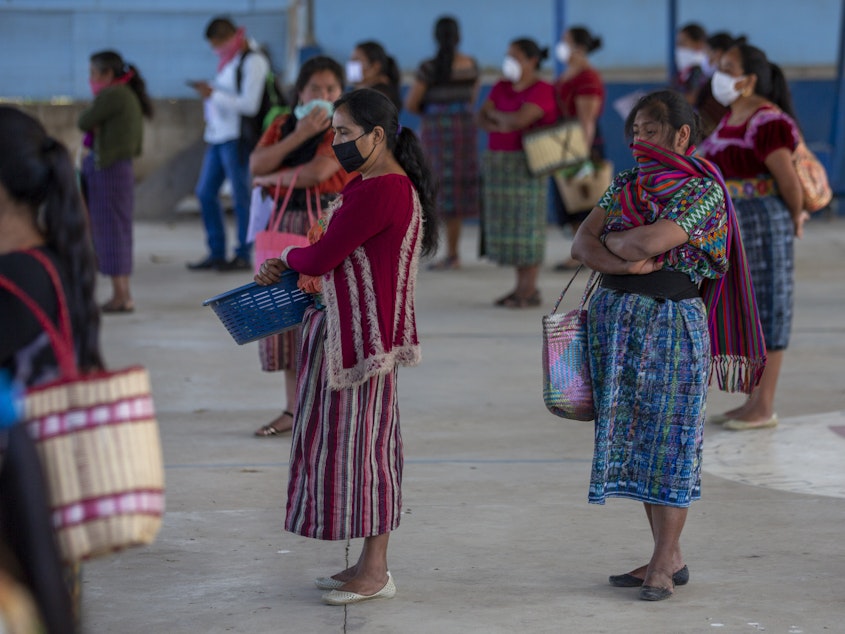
[269, 430]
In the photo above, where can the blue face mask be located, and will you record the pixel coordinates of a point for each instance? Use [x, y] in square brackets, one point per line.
[303, 109]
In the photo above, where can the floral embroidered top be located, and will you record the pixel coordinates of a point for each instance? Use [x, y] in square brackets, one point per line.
[740, 151]
[696, 204]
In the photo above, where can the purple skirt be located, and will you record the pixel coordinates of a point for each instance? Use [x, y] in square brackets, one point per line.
[109, 194]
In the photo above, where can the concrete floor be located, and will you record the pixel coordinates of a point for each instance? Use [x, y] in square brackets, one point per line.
[497, 535]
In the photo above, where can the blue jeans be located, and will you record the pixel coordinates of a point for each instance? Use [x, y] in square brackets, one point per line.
[223, 161]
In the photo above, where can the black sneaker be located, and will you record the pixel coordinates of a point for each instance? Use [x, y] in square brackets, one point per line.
[235, 264]
[207, 264]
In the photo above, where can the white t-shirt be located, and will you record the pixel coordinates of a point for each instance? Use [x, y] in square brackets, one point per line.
[225, 106]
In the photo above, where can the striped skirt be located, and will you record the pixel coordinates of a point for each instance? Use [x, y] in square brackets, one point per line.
[346, 450]
[515, 205]
[110, 196]
[279, 352]
[650, 365]
[450, 141]
[767, 234]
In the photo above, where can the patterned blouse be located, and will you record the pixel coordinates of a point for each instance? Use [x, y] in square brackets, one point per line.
[698, 208]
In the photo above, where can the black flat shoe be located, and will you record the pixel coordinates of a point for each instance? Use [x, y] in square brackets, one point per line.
[652, 593]
[235, 264]
[680, 578]
[208, 264]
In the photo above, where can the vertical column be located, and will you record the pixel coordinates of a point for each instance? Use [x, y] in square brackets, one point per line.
[559, 28]
[837, 128]
[672, 24]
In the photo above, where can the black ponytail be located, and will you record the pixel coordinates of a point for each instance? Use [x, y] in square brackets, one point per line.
[139, 87]
[409, 154]
[37, 172]
[447, 35]
[370, 108]
[771, 82]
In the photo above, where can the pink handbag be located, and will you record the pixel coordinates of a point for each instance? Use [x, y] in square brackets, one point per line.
[270, 242]
[567, 386]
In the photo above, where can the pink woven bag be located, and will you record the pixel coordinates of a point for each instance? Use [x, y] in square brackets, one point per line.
[567, 387]
[271, 242]
[98, 440]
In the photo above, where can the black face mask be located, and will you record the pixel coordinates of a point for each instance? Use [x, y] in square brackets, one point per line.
[348, 155]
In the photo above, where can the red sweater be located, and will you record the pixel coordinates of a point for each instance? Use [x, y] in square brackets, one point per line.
[368, 259]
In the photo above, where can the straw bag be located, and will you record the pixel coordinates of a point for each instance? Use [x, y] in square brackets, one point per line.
[99, 445]
[555, 146]
[567, 386]
[813, 178]
[582, 191]
[271, 242]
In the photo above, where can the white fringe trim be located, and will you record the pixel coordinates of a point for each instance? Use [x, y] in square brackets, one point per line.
[358, 268]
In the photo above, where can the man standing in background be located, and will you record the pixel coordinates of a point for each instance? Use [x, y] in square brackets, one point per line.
[235, 93]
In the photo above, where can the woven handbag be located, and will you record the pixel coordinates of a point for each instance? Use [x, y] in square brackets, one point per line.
[567, 387]
[813, 178]
[271, 242]
[99, 445]
[555, 146]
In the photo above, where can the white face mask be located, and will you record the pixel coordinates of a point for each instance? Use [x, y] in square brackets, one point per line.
[511, 69]
[724, 88]
[563, 52]
[688, 58]
[354, 71]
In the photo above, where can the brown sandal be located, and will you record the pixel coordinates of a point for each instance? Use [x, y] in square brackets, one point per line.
[271, 430]
[515, 301]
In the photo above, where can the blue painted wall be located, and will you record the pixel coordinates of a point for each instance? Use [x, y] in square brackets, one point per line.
[793, 32]
[47, 42]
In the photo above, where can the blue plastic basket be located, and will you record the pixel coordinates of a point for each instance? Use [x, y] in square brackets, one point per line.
[251, 312]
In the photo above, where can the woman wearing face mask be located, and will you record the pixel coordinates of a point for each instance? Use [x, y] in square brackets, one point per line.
[671, 304]
[114, 127]
[301, 141]
[753, 146]
[710, 110]
[581, 96]
[346, 452]
[515, 201]
[691, 61]
[444, 95]
[370, 66]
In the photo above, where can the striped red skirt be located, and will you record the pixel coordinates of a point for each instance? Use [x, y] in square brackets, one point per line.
[346, 450]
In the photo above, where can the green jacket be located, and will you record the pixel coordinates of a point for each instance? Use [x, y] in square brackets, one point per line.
[116, 119]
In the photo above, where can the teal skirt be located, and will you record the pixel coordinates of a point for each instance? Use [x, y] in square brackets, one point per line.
[514, 210]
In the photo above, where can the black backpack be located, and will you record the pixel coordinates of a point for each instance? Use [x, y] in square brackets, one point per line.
[272, 105]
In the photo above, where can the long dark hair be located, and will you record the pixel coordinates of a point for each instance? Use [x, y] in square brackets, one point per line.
[531, 50]
[583, 38]
[447, 34]
[308, 149]
[669, 109]
[771, 82]
[111, 60]
[375, 54]
[38, 173]
[370, 108]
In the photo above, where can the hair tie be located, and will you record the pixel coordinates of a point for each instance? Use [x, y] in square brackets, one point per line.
[398, 130]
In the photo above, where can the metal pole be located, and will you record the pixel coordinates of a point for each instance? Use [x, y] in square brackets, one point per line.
[310, 39]
[837, 128]
[559, 28]
[672, 19]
